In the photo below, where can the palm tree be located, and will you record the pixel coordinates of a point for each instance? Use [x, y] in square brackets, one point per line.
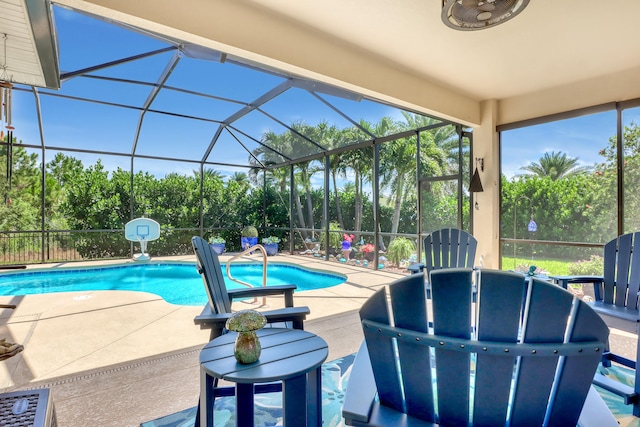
[281, 143]
[338, 138]
[240, 178]
[437, 150]
[556, 165]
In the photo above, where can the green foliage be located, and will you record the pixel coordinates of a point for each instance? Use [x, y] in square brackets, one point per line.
[594, 266]
[249, 231]
[400, 249]
[216, 240]
[556, 165]
[271, 240]
[566, 209]
[335, 237]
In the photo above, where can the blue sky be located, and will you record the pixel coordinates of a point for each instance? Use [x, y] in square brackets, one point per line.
[85, 42]
[581, 137]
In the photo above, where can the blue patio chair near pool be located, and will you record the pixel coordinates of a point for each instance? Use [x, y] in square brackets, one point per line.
[218, 310]
[447, 248]
[521, 353]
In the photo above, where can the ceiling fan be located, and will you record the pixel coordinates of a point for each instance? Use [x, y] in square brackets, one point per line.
[468, 15]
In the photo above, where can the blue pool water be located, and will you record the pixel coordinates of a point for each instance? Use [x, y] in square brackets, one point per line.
[175, 283]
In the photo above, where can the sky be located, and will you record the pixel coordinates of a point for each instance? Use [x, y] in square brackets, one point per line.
[581, 138]
[85, 42]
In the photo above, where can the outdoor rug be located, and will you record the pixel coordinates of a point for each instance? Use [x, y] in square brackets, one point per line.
[335, 375]
[268, 406]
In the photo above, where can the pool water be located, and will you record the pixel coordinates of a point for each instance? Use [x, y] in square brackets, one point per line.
[175, 283]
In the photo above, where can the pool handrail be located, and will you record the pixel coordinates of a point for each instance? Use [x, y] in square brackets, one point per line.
[264, 268]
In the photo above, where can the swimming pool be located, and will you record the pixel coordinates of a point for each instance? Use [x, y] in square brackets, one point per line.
[176, 283]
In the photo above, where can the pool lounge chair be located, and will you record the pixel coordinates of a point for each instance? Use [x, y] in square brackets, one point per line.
[215, 314]
[513, 366]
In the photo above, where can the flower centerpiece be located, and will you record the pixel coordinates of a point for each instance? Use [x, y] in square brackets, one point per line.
[249, 237]
[247, 347]
[217, 244]
[271, 244]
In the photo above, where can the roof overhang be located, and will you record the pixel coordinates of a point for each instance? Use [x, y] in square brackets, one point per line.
[27, 31]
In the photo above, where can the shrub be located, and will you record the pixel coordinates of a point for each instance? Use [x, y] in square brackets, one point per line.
[249, 231]
[400, 249]
[216, 240]
[592, 267]
[271, 240]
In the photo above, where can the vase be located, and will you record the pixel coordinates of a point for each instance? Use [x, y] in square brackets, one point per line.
[368, 256]
[247, 348]
[271, 248]
[217, 248]
[247, 242]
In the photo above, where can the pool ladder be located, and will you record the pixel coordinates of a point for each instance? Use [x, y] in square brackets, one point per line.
[264, 269]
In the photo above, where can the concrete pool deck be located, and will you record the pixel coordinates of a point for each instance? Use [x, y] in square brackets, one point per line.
[119, 358]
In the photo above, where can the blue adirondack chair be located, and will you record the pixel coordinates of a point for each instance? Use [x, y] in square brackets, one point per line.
[447, 248]
[215, 314]
[501, 360]
[616, 300]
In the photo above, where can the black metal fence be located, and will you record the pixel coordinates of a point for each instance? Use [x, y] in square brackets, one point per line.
[33, 247]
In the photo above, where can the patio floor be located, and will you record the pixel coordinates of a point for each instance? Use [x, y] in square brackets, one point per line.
[117, 358]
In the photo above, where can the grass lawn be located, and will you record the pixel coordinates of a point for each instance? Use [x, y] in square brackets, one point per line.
[552, 266]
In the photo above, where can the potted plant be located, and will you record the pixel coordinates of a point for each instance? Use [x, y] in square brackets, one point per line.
[217, 243]
[400, 249]
[249, 237]
[367, 251]
[271, 244]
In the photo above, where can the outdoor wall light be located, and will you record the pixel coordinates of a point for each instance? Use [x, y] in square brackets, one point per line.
[476, 185]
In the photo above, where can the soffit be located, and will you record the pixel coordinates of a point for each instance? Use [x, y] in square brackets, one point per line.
[30, 57]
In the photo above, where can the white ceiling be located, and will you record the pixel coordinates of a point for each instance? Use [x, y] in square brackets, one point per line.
[551, 43]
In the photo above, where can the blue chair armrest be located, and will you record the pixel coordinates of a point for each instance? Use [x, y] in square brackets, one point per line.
[209, 318]
[624, 313]
[262, 291]
[416, 268]
[595, 412]
[566, 280]
[290, 317]
[359, 402]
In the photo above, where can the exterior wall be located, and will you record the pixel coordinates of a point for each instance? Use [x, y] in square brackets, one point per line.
[486, 220]
[612, 88]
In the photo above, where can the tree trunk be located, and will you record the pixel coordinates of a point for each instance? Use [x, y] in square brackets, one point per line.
[301, 223]
[395, 222]
[337, 197]
[358, 206]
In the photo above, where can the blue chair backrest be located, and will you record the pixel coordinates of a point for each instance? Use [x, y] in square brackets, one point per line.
[449, 248]
[209, 267]
[501, 358]
[621, 271]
